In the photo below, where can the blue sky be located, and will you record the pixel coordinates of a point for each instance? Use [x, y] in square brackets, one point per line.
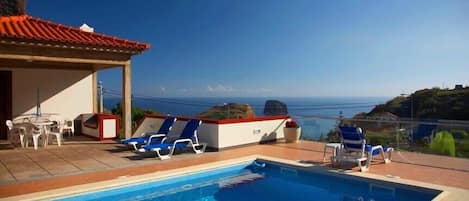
[280, 48]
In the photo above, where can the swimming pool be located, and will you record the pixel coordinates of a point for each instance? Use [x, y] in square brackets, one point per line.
[262, 180]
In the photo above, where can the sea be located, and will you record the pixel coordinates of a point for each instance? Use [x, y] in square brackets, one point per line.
[312, 113]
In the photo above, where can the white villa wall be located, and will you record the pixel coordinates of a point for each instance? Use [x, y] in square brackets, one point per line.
[66, 92]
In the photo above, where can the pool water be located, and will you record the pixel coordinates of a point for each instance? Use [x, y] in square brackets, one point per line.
[259, 181]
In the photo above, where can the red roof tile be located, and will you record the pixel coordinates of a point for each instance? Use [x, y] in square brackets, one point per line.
[24, 27]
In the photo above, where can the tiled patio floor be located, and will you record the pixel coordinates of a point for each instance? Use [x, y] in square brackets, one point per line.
[82, 161]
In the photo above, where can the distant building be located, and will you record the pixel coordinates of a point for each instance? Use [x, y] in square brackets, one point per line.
[458, 86]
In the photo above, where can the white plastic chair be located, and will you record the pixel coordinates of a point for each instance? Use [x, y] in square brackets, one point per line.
[36, 134]
[16, 131]
[57, 131]
[68, 127]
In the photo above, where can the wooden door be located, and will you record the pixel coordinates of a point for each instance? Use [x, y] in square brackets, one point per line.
[5, 102]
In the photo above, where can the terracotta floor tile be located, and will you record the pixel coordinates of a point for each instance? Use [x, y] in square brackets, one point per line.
[5, 175]
[92, 161]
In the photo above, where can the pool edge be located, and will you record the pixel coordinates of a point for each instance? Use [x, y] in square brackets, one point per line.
[447, 194]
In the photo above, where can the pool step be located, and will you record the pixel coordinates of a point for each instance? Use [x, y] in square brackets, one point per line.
[238, 180]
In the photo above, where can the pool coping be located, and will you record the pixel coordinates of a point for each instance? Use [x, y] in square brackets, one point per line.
[448, 193]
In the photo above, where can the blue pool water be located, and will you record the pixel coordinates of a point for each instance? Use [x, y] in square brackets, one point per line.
[272, 181]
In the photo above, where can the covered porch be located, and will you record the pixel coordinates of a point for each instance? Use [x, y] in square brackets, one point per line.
[58, 65]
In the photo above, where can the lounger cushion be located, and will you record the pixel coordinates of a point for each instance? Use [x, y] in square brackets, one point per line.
[164, 129]
[164, 146]
[138, 140]
[376, 151]
[142, 140]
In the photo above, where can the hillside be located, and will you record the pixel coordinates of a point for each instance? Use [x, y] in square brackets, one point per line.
[429, 104]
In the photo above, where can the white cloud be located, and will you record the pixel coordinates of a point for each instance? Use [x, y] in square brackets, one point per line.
[229, 89]
[220, 88]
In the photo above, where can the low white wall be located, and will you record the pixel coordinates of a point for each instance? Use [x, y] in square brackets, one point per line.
[210, 133]
[236, 134]
[66, 92]
[223, 135]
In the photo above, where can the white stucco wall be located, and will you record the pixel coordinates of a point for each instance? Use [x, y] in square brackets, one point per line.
[209, 133]
[66, 92]
[236, 134]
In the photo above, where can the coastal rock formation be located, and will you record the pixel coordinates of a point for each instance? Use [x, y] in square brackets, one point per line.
[275, 107]
[229, 111]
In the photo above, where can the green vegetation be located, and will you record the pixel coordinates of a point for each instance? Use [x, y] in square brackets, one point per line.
[453, 143]
[137, 113]
[430, 104]
[443, 143]
[229, 111]
[333, 136]
[385, 138]
[461, 143]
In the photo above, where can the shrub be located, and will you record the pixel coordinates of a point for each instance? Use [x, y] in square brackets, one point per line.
[460, 134]
[137, 113]
[443, 143]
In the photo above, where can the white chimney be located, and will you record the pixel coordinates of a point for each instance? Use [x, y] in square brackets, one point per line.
[86, 28]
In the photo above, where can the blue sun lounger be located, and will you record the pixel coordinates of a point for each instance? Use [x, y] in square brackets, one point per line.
[151, 137]
[188, 138]
[355, 149]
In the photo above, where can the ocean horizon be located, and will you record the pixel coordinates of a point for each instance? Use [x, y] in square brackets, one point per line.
[312, 128]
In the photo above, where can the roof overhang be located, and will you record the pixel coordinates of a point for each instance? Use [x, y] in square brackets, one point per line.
[28, 42]
[24, 29]
[51, 44]
[51, 57]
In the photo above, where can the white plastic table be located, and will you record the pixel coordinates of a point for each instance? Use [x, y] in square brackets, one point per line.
[335, 150]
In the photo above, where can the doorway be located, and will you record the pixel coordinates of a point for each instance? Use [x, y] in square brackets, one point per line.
[5, 102]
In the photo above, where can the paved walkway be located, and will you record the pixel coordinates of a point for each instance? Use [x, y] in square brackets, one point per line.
[81, 161]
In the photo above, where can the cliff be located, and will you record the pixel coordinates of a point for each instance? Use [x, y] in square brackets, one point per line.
[229, 111]
[429, 104]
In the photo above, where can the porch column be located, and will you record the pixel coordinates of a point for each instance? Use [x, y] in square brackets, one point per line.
[95, 91]
[126, 100]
